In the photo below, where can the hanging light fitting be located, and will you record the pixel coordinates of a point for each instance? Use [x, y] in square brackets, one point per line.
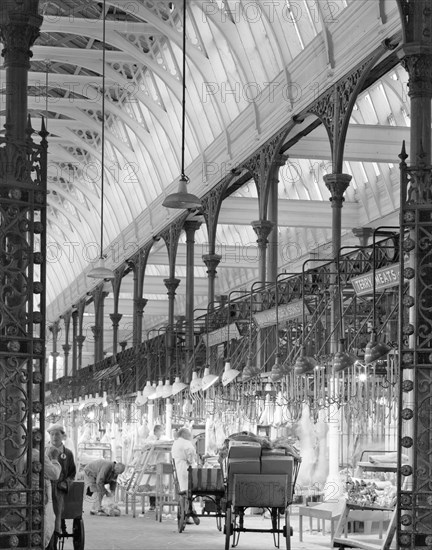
[100, 271]
[182, 199]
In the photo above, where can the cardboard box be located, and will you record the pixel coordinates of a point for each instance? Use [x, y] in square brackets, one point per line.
[242, 466]
[260, 490]
[244, 449]
[277, 464]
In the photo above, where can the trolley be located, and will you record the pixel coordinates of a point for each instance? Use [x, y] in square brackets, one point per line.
[205, 483]
[73, 510]
[272, 491]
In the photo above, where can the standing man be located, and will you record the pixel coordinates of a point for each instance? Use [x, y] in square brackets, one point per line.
[60, 487]
[184, 454]
[100, 477]
[158, 432]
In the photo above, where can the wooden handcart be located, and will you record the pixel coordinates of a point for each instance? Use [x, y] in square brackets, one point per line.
[273, 492]
[73, 509]
[206, 484]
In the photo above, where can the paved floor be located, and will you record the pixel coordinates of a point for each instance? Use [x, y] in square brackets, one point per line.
[145, 533]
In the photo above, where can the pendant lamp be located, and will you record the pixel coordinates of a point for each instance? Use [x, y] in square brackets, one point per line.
[229, 374]
[182, 199]
[148, 390]
[304, 364]
[195, 384]
[167, 389]
[159, 389]
[100, 271]
[208, 380]
[374, 350]
[250, 370]
[342, 359]
[178, 386]
[276, 372]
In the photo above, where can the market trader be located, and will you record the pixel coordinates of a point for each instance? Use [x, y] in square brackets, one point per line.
[61, 486]
[98, 474]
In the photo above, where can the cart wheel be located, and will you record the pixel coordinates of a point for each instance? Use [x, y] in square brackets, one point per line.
[78, 534]
[228, 527]
[287, 530]
[219, 522]
[181, 515]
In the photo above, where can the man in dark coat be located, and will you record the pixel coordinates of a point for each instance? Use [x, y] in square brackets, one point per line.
[61, 486]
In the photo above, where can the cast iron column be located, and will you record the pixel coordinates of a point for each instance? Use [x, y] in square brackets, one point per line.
[337, 184]
[211, 261]
[273, 238]
[115, 319]
[66, 346]
[414, 520]
[262, 228]
[74, 342]
[171, 284]
[139, 305]
[22, 277]
[54, 329]
[190, 228]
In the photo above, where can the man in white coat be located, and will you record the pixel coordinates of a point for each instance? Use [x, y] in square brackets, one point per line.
[184, 454]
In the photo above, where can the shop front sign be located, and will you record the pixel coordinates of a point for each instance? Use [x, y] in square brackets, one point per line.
[285, 312]
[222, 334]
[385, 277]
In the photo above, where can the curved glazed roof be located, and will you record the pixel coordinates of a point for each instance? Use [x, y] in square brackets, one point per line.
[249, 65]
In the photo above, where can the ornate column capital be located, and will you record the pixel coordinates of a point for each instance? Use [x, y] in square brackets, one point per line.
[66, 349]
[140, 304]
[211, 261]
[55, 328]
[115, 318]
[262, 228]
[190, 226]
[417, 61]
[80, 340]
[172, 283]
[123, 344]
[97, 331]
[363, 234]
[19, 29]
[337, 184]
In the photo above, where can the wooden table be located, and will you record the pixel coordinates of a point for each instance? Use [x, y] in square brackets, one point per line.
[325, 511]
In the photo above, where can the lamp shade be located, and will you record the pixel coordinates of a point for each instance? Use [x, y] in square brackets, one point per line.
[375, 350]
[229, 374]
[147, 390]
[105, 399]
[276, 372]
[140, 400]
[342, 360]
[208, 379]
[159, 389]
[195, 384]
[182, 199]
[100, 271]
[152, 394]
[167, 389]
[178, 386]
[304, 365]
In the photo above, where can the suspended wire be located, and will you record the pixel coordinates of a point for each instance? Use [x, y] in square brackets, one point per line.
[102, 181]
[183, 94]
[47, 66]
